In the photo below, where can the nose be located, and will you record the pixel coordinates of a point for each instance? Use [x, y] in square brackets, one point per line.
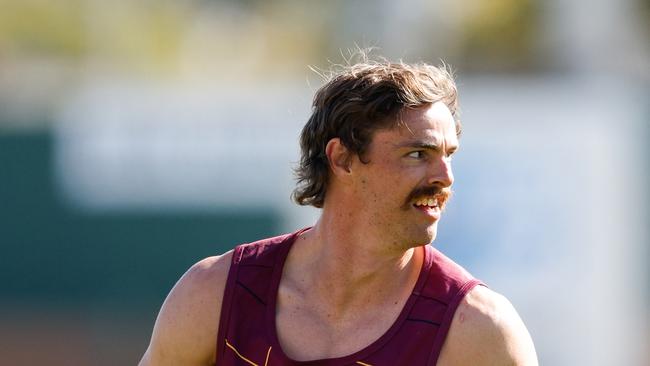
[441, 174]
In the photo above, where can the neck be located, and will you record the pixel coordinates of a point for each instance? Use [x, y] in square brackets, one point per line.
[361, 267]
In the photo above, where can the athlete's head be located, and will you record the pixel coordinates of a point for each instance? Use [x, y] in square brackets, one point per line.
[358, 100]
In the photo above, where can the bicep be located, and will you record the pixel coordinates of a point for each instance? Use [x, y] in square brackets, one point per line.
[185, 331]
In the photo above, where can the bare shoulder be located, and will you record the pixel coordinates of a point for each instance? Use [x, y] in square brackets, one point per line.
[486, 330]
[186, 327]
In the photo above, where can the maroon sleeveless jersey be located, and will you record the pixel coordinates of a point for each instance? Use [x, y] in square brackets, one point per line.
[247, 334]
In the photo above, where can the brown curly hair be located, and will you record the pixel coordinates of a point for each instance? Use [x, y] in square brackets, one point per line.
[356, 101]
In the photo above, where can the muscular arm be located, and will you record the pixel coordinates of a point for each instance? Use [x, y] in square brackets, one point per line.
[185, 332]
[486, 330]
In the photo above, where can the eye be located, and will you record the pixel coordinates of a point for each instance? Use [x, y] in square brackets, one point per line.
[419, 154]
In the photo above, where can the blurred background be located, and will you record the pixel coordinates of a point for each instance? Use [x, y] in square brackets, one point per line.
[137, 137]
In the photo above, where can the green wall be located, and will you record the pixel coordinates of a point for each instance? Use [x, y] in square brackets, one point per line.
[54, 254]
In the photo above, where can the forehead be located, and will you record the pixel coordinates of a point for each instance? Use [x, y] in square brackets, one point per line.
[433, 124]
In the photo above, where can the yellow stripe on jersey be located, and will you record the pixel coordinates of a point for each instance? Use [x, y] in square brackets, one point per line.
[240, 355]
[267, 356]
[268, 353]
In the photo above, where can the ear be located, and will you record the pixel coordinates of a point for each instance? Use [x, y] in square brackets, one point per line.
[338, 157]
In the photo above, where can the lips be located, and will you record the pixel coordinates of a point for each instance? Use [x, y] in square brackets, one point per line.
[431, 211]
[431, 202]
[430, 196]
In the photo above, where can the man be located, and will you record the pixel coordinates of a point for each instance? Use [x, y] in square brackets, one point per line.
[362, 286]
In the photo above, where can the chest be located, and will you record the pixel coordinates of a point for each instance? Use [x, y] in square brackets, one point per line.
[306, 331]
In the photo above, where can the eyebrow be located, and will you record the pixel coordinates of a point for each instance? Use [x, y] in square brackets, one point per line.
[423, 145]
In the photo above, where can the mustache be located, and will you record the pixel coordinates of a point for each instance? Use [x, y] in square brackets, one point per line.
[441, 194]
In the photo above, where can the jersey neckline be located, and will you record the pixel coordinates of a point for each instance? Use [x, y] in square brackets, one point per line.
[353, 357]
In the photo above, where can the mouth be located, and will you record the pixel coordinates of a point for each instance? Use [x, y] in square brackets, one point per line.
[430, 205]
[427, 202]
[430, 201]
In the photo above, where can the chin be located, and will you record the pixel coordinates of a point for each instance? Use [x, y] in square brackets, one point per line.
[432, 232]
[413, 236]
[424, 237]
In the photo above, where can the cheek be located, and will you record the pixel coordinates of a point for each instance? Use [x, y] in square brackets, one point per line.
[388, 192]
[386, 183]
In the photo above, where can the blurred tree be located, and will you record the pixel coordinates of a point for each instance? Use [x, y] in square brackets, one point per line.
[43, 27]
[500, 35]
[143, 36]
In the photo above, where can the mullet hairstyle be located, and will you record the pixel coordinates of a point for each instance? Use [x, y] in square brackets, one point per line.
[358, 100]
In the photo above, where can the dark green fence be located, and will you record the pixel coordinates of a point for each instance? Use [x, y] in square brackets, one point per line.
[54, 253]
